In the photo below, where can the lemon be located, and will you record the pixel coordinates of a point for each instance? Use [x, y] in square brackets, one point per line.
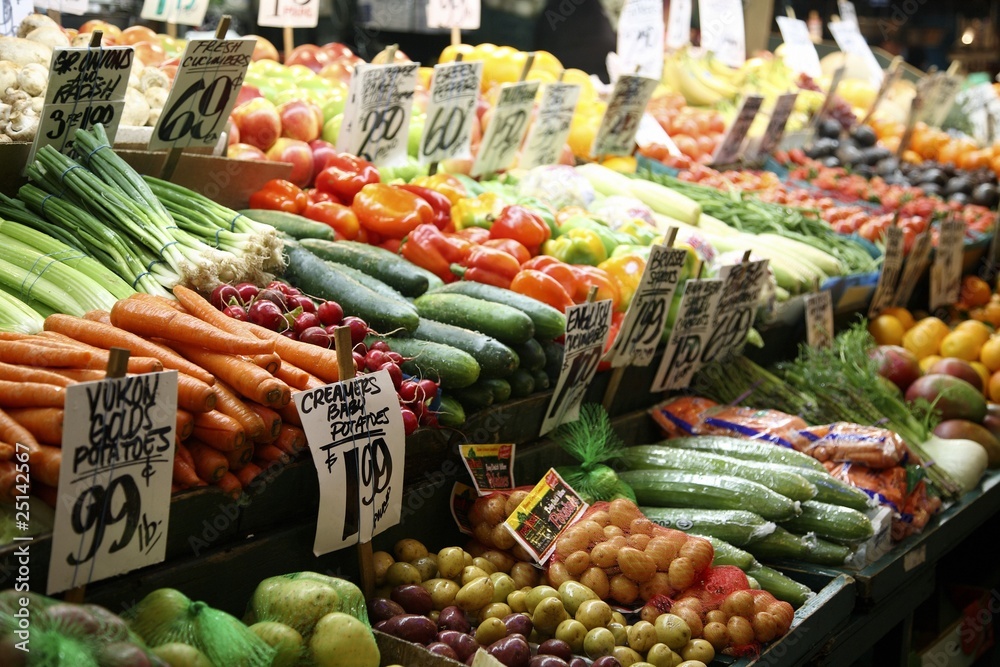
[903, 315]
[981, 332]
[989, 354]
[886, 330]
[961, 345]
[928, 361]
[920, 342]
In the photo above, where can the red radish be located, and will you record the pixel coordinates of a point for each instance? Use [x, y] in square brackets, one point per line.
[408, 391]
[395, 373]
[284, 288]
[301, 301]
[224, 295]
[359, 360]
[361, 349]
[308, 321]
[380, 345]
[359, 328]
[236, 312]
[395, 357]
[316, 336]
[374, 359]
[247, 292]
[330, 313]
[410, 422]
[429, 388]
[268, 315]
[275, 296]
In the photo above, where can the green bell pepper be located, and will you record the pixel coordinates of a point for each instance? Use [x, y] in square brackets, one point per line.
[609, 237]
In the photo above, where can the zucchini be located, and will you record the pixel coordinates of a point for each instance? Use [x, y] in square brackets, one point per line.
[832, 522]
[450, 412]
[672, 488]
[740, 448]
[738, 527]
[506, 324]
[784, 544]
[549, 322]
[294, 225]
[391, 269]
[499, 387]
[727, 554]
[371, 282]
[654, 457]
[522, 383]
[831, 490]
[532, 355]
[494, 358]
[542, 381]
[452, 367]
[780, 586]
[315, 278]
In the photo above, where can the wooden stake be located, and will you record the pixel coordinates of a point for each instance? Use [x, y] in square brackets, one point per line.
[55, 15]
[456, 36]
[288, 34]
[117, 367]
[527, 66]
[171, 29]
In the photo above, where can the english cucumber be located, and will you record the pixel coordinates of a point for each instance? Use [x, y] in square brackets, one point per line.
[549, 322]
[452, 367]
[522, 383]
[499, 387]
[505, 323]
[450, 412]
[391, 269]
[532, 355]
[293, 224]
[494, 358]
[832, 522]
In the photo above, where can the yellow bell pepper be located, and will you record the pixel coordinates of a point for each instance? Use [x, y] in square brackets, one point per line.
[626, 271]
[443, 183]
[577, 246]
[477, 211]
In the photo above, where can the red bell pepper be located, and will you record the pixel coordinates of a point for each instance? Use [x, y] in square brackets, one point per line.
[542, 287]
[438, 202]
[344, 175]
[280, 195]
[489, 266]
[337, 216]
[315, 196]
[518, 223]
[390, 211]
[557, 269]
[511, 247]
[429, 248]
[591, 276]
[616, 326]
[477, 235]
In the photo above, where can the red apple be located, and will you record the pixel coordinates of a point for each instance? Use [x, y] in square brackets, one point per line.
[263, 49]
[150, 53]
[300, 120]
[339, 70]
[234, 133]
[337, 50]
[245, 152]
[322, 151]
[259, 122]
[309, 55]
[298, 154]
[897, 364]
[247, 93]
[112, 33]
[482, 106]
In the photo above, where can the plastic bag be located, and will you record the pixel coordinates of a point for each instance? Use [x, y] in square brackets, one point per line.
[693, 415]
[682, 416]
[844, 442]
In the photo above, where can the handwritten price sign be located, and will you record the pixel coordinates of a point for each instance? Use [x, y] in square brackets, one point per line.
[288, 13]
[722, 30]
[355, 433]
[14, 11]
[850, 40]
[690, 335]
[208, 80]
[181, 12]
[507, 129]
[452, 106]
[800, 52]
[461, 14]
[888, 278]
[946, 271]
[731, 147]
[114, 481]
[640, 37]
[819, 320]
[742, 284]
[377, 116]
[550, 130]
[616, 135]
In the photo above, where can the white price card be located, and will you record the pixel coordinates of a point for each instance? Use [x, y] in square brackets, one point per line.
[848, 14]
[800, 51]
[587, 328]
[115, 477]
[450, 110]
[506, 131]
[640, 38]
[946, 271]
[616, 134]
[738, 305]
[650, 133]
[14, 11]
[74, 7]
[731, 147]
[208, 80]
[722, 30]
[913, 268]
[86, 87]
[181, 12]
[775, 130]
[689, 336]
[355, 433]
[376, 123]
[888, 278]
[946, 93]
[678, 24]
[288, 13]
[461, 14]
[643, 323]
[819, 319]
[550, 129]
[852, 42]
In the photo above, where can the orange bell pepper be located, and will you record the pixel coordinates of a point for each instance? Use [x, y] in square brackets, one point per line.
[428, 247]
[489, 266]
[542, 287]
[588, 276]
[511, 247]
[389, 211]
[518, 223]
[477, 235]
[554, 268]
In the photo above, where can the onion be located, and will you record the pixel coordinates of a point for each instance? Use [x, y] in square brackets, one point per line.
[964, 460]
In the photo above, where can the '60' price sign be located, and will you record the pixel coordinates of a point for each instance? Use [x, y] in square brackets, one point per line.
[114, 480]
[450, 110]
[208, 80]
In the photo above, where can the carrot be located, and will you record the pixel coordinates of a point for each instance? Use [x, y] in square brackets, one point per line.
[201, 308]
[230, 404]
[231, 485]
[290, 414]
[243, 377]
[6, 451]
[184, 454]
[209, 463]
[45, 461]
[12, 431]
[101, 316]
[136, 364]
[184, 474]
[46, 424]
[16, 373]
[31, 395]
[248, 474]
[195, 395]
[80, 374]
[185, 424]
[8, 481]
[293, 376]
[238, 458]
[150, 319]
[270, 455]
[271, 419]
[314, 359]
[103, 335]
[291, 440]
[158, 300]
[219, 430]
[13, 335]
[46, 355]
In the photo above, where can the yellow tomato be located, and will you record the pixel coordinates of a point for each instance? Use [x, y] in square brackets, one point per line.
[886, 330]
[989, 354]
[903, 315]
[960, 345]
[980, 331]
[452, 50]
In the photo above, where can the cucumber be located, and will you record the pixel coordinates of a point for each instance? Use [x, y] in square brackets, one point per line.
[433, 281]
[832, 522]
[549, 322]
[450, 412]
[476, 397]
[506, 324]
[494, 358]
[784, 544]
[737, 527]
[553, 359]
[727, 554]
[499, 387]
[315, 278]
[522, 383]
[391, 269]
[542, 381]
[780, 586]
[654, 457]
[740, 448]
[671, 488]
[831, 490]
[293, 224]
[370, 281]
[452, 367]
[532, 355]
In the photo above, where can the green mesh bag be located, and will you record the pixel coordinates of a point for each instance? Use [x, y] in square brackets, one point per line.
[592, 441]
[167, 616]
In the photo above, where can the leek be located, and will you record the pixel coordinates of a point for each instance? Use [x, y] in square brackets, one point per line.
[17, 316]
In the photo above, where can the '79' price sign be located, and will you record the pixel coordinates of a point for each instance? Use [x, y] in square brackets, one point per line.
[86, 87]
[377, 115]
[355, 433]
[208, 80]
[690, 335]
[450, 110]
[114, 481]
[507, 128]
[587, 327]
[616, 135]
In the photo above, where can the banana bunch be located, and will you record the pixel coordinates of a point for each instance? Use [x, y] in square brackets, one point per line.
[703, 81]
